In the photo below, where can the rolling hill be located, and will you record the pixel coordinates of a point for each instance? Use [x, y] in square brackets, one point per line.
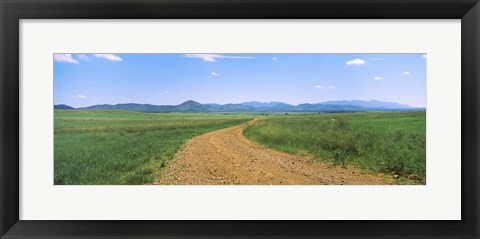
[255, 106]
[63, 107]
[370, 104]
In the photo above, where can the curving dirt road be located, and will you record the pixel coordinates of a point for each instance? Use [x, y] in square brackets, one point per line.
[226, 157]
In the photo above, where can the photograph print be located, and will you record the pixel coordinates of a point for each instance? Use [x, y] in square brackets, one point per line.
[239, 119]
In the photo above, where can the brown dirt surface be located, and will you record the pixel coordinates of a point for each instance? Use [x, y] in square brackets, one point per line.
[226, 157]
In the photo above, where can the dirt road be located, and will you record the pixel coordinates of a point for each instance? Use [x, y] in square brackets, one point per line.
[226, 157]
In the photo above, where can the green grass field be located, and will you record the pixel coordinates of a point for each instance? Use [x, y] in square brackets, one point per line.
[123, 147]
[390, 142]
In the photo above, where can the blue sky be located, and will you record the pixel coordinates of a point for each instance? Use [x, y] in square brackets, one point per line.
[170, 79]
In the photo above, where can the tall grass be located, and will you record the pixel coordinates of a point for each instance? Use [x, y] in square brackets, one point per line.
[381, 142]
[121, 147]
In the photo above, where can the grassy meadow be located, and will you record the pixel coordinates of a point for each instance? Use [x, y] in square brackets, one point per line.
[115, 147]
[95, 147]
[388, 142]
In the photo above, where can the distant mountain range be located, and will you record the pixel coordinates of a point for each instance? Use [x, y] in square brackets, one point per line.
[255, 106]
[63, 107]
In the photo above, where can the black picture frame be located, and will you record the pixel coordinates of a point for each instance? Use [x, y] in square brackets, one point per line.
[12, 11]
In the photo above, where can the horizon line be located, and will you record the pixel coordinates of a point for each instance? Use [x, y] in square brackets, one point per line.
[265, 102]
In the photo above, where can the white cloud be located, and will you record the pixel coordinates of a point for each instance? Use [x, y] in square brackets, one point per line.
[213, 57]
[165, 92]
[83, 57]
[357, 61]
[110, 57]
[274, 58]
[79, 97]
[215, 73]
[324, 87]
[378, 78]
[64, 58]
[424, 56]
[406, 73]
[240, 96]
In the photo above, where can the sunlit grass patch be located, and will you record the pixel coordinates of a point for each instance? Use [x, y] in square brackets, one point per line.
[122, 147]
[393, 143]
